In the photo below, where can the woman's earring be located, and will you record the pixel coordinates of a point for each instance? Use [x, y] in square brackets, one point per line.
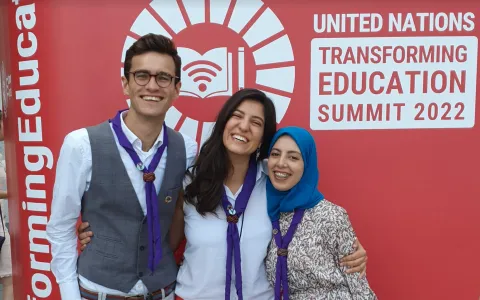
[258, 152]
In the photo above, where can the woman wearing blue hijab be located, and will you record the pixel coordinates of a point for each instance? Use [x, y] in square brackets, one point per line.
[314, 232]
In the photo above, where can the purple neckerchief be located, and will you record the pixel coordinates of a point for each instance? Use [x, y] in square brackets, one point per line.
[155, 244]
[233, 239]
[281, 278]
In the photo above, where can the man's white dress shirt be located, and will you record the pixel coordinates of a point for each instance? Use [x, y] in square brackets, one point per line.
[73, 176]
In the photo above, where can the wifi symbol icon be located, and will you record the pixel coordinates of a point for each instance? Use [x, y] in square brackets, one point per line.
[202, 72]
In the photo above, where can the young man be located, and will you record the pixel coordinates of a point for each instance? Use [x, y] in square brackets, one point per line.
[123, 177]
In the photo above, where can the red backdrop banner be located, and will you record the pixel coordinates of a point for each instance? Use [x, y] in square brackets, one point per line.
[388, 91]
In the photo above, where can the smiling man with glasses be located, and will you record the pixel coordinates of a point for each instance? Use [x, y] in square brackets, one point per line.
[115, 176]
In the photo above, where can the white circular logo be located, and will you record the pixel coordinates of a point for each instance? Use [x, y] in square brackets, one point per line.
[225, 46]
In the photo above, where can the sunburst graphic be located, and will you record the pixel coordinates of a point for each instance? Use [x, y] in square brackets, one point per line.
[272, 71]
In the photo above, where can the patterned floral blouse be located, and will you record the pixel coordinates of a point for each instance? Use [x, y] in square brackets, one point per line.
[323, 237]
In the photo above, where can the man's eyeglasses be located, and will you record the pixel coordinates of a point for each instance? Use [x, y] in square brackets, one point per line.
[162, 79]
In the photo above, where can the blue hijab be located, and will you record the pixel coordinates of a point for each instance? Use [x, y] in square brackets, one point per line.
[305, 193]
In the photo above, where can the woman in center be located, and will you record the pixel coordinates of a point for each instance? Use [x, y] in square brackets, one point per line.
[225, 212]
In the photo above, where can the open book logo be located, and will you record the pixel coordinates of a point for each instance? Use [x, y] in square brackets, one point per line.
[209, 74]
[249, 46]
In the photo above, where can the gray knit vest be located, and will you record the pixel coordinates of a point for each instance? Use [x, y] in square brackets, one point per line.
[117, 256]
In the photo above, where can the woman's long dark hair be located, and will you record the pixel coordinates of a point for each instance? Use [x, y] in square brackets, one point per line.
[213, 164]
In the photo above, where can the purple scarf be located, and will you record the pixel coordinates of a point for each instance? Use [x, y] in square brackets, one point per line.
[233, 239]
[154, 236]
[281, 278]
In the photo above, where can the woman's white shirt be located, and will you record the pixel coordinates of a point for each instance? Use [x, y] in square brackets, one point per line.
[202, 274]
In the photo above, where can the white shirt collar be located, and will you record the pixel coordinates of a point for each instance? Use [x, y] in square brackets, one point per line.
[132, 138]
[262, 169]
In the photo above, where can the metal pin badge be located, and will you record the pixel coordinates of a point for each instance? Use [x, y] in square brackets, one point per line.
[168, 199]
[275, 231]
[231, 210]
[140, 166]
